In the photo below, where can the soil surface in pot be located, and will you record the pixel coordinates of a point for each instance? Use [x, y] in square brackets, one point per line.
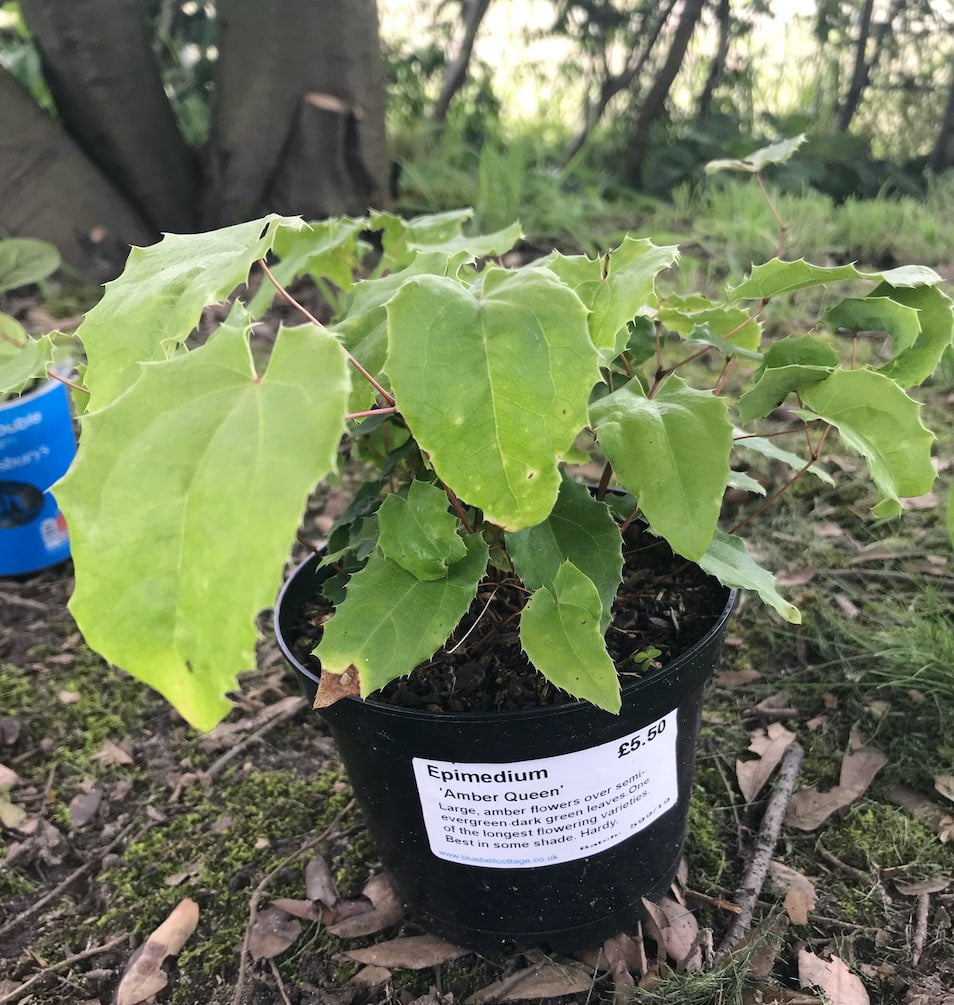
[664, 606]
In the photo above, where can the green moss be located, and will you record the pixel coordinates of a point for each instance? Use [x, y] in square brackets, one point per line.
[233, 837]
[13, 883]
[706, 842]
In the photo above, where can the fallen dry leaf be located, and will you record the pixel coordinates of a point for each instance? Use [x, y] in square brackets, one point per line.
[929, 500]
[9, 779]
[144, 976]
[84, 806]
[111, 753]
[622, 960]
[924, 886]
[797, 577]
[68, 697]
[829, 530]
[10, 729]
[833, 977]
[371, 977]
[319, 883]
[333, 687]
[415, 952]
[544, 980]
[11, 815]
[681, 937]
[809, 809]
[816, 723]
[734, 678]
[770, 745]
[303, 909]
[386, 910]
[800, 894]
[847, 606]
[178, 878]
[272, 933]
[943, 783]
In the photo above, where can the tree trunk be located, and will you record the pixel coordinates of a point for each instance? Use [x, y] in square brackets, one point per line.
[942, 156]
[613, 85]
[457, 69]
[48, 189]
[717, 66]
[655, 101]
[298, 125]
[98, 62]
[859, 73]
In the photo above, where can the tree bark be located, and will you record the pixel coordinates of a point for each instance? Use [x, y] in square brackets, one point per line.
[298, 124]
[457, 69]
[613, 85]
[942, 156]
[859, 73]
[98, 62]
[717, 66]
[655, 101]
[50, 190]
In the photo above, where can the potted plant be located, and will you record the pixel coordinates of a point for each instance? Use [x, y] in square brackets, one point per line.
[545, 800]
[37, 442]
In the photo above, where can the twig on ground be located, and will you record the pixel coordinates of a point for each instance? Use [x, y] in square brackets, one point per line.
[849, 870]
[70, 880]
[55, 968]
[920, 928]
[221, 763]
[33, 605]
[260, 889]
[704, 898]
[754, 878]
[279, 982]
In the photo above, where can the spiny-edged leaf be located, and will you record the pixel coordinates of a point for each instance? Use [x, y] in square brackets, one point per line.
[877, 314]
[401, 239]
[20, 366]
[616, 287]
[775, 385]
[419, 533]
[800, 350]
[733, 324]
[778, 276]
[917, 362]
[390, 621]
[475, 246]
[560, 633]
[641, 344]
[768, 447]
[580, 530]
[323, 249]
[728, 559]
[672, 453]
[186, 494]
[157, 301]
[25, 260]
[516, 368]
[876, 418]
[703, 333]
[774, 153]
[363, 326]
[740, 480]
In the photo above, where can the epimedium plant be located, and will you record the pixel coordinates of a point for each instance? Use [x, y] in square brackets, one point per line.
[469, 386]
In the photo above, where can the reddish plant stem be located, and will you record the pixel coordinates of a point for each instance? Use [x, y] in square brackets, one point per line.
[372, 411]
[627, 367]
[69, 383]
[768, 436]
[311, 317]
[782, 228]
[725, 375]
[854, 349]
[604, 481]
[458, 508]
[816, 452]
[624, 526]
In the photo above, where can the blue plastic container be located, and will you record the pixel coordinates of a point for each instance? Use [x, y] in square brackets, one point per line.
[37, 444]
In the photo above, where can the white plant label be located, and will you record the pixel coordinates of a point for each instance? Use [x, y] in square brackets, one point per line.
[528, 814]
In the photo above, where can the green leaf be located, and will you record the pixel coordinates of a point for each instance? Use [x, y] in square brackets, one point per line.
[950, 516]
[768, 447]
[560, 633]
[19, 367]
[915, 363]
[401, 239]
[391, 621]
[419, 533]
[777, 276]
[183, 500]
[616, 288]
[740, 480]
[363, 327]
[672, 453]
[157, 301]
[775, 385]
[774, 153]
[703, 333]
[641, 344]
[877, 314]
[494, 388]
[728, 559]
[800, 350]
[24, 260]
[732, 324]
[876, 418]
[580, 530]
[324, 249]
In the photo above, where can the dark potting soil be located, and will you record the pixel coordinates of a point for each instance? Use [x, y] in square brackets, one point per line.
[665, 603]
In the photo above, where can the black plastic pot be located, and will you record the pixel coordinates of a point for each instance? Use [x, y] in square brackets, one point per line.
[559, 850]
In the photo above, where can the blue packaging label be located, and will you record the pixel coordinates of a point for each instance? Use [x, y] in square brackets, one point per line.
[37, 444]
